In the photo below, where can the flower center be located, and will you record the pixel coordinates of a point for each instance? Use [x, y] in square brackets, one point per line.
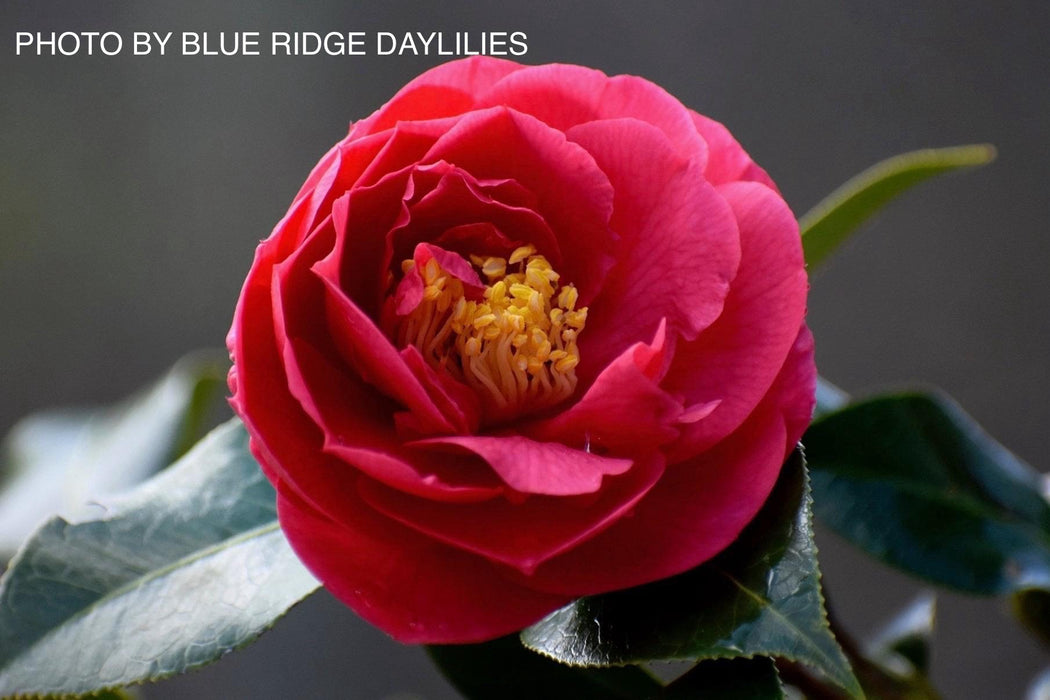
[516, 346]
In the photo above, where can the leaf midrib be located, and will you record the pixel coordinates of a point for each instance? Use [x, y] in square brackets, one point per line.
[768, 605]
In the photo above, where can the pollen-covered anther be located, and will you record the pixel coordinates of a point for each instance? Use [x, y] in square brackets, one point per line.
[516, 346]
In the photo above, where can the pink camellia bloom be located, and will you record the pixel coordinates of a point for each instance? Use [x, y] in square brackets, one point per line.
[527, 333]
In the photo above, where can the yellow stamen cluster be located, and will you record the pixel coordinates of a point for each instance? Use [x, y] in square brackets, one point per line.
[516, 347]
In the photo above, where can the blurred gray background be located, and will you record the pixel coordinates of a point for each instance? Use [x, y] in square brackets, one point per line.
[133, 191]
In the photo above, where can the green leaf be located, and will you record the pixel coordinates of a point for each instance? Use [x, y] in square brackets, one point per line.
[60, 462]
[915, 482]
[760, 597]
[505, 669]
[829, 223]
[186, 567]
[729, 679]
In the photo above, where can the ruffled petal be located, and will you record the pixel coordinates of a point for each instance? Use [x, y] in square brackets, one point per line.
[679, 247]
[727, 160]
[374, 358]
[284, 440]
[443, 91]
[698, 507]
[338, 171]
[529, 466]
[403, 145]
[624, 411]
[447, 198]
[572, 194]
[736, 360]
[417, 590]
[524, 533]
[357, 422]
[564, 96]
[457, 402]
[358, 429]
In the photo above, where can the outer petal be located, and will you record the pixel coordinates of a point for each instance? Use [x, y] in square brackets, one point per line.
[443, 91]
[735, 361]
[524, 533]
[286, 442]
[727, 160]
[566, 95]
[337, 172]
[414, 588]
[679, 242]
[698, 507]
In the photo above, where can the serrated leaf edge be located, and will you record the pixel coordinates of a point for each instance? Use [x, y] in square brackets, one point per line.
[807, 504]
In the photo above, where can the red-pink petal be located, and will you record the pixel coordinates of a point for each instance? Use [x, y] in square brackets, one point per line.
[404, 145]
[451, 263]
[357, 429]
[354, 418]
[624, 410]
[410, 289]
[736, 360]
[529, 466]
[338, 171]
[700, 506]
[573, 195]
[443, 91]
[284, 440]
[415, 589]
[362, 217]
[458, 402]
[458, 199]
[727, 161]
[521, 534]
[566, 95]
[373, 357]
[409, 293]
[679, 241]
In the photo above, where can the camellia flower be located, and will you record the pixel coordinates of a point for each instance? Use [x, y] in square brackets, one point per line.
[525, 334]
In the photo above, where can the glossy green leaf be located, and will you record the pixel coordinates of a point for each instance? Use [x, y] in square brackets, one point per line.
[760, 597]
[914, 481]
[507, 670]
[186, 567]
[729, 679]
[830, 222]
[61, 462]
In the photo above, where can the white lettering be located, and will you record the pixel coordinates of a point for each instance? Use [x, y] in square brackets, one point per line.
[381, 39]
